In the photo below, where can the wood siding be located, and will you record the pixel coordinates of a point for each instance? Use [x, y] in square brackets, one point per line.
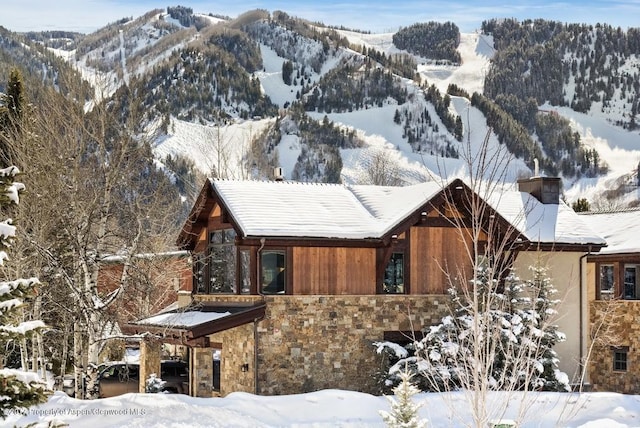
[436, 252]
[331, 270]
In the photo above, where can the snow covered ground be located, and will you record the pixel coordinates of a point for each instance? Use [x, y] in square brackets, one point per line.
[327, 408]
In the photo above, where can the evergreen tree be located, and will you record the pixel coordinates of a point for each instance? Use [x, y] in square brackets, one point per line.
[18, 390]
[12, 105]
[581, 205]
[404, 412]
[505, 334]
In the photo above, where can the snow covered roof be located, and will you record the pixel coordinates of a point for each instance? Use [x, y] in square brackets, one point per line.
[621, 229]
[192, 323]
[293, 209]
[184, 319]
[304, 210]
[543, 223]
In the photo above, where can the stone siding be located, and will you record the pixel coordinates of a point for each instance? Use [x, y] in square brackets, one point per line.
[308, 343]
[237, 362]
[201, 368]
[615, 324]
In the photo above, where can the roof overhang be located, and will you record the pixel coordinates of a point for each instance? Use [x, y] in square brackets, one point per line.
[224, 316]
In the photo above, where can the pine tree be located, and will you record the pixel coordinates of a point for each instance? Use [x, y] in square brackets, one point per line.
[506, 334]
[18, 390]
[12, 105]
[581, 205]
[404, 412]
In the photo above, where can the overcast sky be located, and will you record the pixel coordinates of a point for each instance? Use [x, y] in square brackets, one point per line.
[374, 15]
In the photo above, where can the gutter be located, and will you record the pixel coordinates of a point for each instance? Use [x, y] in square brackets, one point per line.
[581, 311]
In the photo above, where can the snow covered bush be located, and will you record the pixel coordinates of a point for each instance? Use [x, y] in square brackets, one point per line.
[503, 339]
[154, 384]
[18, 389]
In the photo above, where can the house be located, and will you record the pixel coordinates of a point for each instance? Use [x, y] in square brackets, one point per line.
[153, 284]
[612, 280]
[293, 282]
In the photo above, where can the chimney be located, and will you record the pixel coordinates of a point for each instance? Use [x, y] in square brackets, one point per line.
[544, 189]
[277, 174]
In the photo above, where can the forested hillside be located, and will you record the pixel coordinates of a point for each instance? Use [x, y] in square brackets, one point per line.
[308, 88]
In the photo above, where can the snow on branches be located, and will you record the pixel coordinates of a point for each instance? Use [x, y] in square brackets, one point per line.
[18, 389]
[501, 335]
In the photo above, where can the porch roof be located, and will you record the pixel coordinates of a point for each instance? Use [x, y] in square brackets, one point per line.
[192, 324]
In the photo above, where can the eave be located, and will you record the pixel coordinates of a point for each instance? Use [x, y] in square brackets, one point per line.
[196, 335]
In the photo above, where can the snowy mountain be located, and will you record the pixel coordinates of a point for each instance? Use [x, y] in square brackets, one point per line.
[239, 97]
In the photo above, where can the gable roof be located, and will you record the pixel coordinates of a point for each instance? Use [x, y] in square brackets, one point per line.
[303, 210]
[621, 229]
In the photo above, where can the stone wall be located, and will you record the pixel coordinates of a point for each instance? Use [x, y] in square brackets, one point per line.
[615, 323]
[149, 361]
[201, 368]
[308, 343]
[237, 363]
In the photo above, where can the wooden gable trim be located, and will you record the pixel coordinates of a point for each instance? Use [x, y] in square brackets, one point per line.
[455, 193]
[241, 317]
[197, 218]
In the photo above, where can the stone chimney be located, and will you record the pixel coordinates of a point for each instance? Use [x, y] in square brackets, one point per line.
[544, 189]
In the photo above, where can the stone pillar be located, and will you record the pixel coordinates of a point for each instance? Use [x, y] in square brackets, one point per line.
[202, 372]
[150, 349]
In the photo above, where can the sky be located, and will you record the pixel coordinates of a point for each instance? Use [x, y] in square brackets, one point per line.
[377, 16]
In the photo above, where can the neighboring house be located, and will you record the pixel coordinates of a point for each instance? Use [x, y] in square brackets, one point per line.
[153, 284]
[613, 289]
[293, 282]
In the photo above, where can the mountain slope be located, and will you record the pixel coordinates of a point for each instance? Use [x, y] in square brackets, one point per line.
[199, 74]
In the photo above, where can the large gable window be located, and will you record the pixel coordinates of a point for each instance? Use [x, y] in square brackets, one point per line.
[214, 271]
[273, 272]
[222, 261]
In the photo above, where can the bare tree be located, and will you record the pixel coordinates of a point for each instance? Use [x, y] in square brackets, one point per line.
[495, 335]
[100, 195]
[382, 170]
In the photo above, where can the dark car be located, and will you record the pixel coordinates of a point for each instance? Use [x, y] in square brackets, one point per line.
[120, 378]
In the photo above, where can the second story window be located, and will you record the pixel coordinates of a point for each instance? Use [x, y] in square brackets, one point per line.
[393, 282]
[273, 272]
[607, 284]
[214, 270]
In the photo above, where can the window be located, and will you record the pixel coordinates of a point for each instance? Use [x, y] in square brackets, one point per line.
[214, 271]
[607, 287]
[272, 272]
[222, 261]
[620, 358]
[631, 282]
[245, 274]
[199, 280]
[393, 282]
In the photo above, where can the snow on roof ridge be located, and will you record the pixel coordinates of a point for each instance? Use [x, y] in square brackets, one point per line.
[266, 181]
[610, 211]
